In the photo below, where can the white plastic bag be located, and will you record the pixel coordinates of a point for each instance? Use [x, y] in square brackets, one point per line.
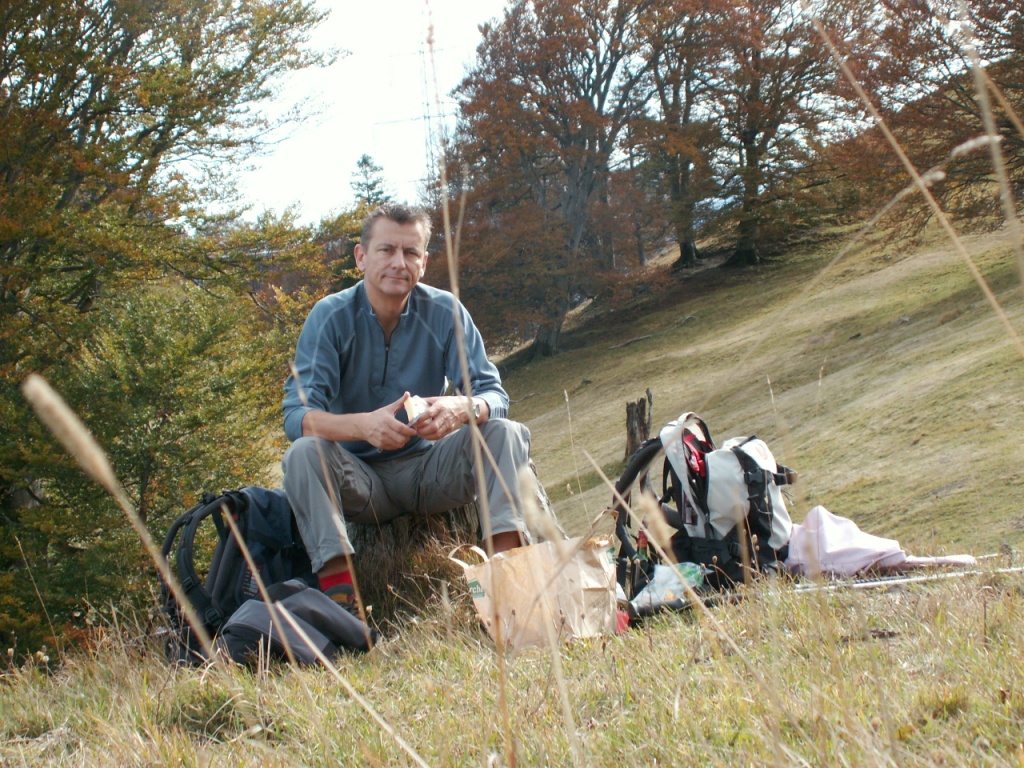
[666, 587]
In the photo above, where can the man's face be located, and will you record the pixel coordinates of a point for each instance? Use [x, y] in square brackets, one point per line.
[394, 258]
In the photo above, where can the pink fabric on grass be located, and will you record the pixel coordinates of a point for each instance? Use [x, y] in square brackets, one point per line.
[828, 544]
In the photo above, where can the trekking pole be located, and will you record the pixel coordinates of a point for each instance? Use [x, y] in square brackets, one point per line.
[888, 581]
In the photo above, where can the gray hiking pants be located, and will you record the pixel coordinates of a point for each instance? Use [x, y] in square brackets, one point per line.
[318, 471]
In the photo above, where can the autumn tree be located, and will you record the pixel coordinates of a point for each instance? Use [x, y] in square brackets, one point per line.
[585, 127]
[678, 138]
[554, 84]
[112, 116]
[723, 106]
[118, 120]
[927, 88]
[633, 217]
[777, 95]
[335, 240]
[121, 125]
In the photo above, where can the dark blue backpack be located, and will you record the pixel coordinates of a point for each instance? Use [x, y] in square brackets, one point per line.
[218, 590]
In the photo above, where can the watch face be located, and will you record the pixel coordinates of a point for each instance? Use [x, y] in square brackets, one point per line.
[476, 409]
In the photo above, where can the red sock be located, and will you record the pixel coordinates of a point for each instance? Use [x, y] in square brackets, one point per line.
[342, 577]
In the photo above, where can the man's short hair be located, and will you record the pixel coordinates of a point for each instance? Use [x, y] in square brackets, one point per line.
[398, 213]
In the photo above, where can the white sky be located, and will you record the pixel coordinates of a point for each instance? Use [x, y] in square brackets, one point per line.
[372, 101]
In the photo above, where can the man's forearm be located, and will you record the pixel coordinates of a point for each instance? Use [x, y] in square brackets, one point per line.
[337, 427]
[379, 428]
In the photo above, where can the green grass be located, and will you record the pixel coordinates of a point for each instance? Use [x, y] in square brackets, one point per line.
[887, 383]
[924, 675]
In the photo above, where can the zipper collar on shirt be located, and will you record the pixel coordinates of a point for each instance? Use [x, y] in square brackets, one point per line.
[383, 337]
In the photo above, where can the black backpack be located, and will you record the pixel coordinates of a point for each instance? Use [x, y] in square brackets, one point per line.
[724, 504]
[264, 518]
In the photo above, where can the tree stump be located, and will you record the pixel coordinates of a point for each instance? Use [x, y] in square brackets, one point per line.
[399, 564]
[638, 423]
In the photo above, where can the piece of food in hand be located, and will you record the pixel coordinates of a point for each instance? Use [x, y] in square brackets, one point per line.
[415, 407]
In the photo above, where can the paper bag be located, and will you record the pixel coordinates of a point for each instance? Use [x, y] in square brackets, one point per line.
[567, 587]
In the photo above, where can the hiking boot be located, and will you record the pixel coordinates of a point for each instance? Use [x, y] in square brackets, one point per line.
[345, 596]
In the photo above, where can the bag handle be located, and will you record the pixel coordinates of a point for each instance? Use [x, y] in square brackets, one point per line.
[472, 548]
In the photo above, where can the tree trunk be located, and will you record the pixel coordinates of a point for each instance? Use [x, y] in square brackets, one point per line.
[545, 343]
[638, 238]
[746, 254]
[638, 423]
[688, 255]
[683, 213]
[460, 525]
[399, 564]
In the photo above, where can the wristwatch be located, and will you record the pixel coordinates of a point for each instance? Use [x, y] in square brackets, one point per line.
[476, 409]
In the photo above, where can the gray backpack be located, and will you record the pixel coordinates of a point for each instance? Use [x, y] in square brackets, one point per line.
[252, 632]
[726, 505]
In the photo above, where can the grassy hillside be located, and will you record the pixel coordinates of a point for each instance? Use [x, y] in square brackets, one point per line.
[885, 380]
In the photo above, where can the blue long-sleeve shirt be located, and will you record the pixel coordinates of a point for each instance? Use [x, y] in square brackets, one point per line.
[344, 366]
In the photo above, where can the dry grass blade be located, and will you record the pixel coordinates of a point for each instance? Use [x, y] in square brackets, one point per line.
[72, 433]
[924, 181]
[665, 553]
[255, 571]
[658, 529]
[566, 552]
[76, 438]
[1011, 114]
[532, 512]
[39, 596]
[485, 515]
[536, 519]
[920, 182]
[998, 164]
[79, 442]
[572, 446]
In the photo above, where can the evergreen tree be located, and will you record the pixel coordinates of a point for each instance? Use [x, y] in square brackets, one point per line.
[368, 183]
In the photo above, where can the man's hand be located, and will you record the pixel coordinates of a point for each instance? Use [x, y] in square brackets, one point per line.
[445, 415]
[383, 430]
[379, 428]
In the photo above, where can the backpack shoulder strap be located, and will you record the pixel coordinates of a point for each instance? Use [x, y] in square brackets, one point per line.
[172, 534]
[760, 511]
[638, 466]
[204, 595]
[227, 557]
